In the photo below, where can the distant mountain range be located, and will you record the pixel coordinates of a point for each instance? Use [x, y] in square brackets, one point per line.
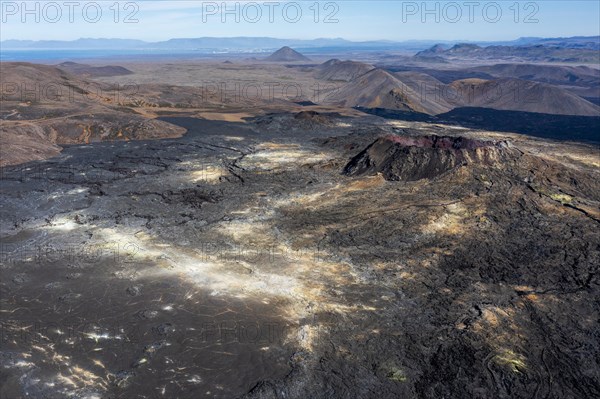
[548, 50]
[259, 44]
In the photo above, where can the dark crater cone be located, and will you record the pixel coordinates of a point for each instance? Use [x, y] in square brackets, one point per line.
[401, 158]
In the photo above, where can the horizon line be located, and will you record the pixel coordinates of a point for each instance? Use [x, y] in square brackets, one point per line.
[299, 39]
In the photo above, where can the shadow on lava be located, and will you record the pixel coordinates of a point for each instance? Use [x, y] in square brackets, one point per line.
[104, 330]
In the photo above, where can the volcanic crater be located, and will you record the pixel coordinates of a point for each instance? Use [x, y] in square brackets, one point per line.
[408, 158]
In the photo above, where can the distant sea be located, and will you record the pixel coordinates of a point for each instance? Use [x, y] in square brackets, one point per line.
[56, 55]
[59, 55]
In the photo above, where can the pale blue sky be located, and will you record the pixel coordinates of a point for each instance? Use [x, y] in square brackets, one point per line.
[356, 20]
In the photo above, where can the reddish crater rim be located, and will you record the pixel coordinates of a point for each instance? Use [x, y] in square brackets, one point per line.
[442, 142]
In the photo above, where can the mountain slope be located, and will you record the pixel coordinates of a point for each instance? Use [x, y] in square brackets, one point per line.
[59, 108]
[418, 92]
[85, 70]
[581, 80]
[345, 71]
[519, 95]
[380, 89]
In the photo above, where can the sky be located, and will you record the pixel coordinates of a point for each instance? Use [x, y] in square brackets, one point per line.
[353, 20]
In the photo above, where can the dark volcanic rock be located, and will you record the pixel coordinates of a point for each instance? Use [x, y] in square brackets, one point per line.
[312, 116]
[415, 158]
[285, 279]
